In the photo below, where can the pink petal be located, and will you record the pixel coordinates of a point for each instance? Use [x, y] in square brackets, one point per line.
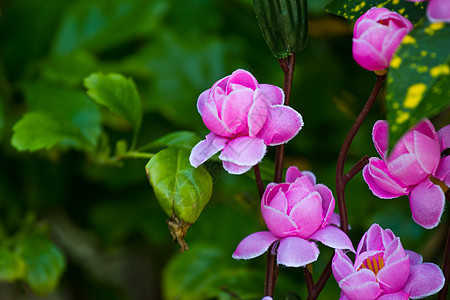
[335, 220]
[380, 137]
[414, 258]
[244, 151]
[427, 204]
[292, 174]
[277, 222]
[282, 124]
[427, 128]
[381, 182]
[392, 42]
[444, 137]
[254, 245]
[394, 296]
[333, 237]
[424, 280]
[206, 148]
[367, 56]
[427, 152]
[375, 36]
[439, 11]
[236, 107]
[361, 285]
[307, 214]
[235, 169]
[201, 100]
[374, 239]
[280, 202]
[407, 169]
[273, 93]
[310, 176]
[443, 171]
[328, 202]
[210, 116]
[343, 296]
[258, 113]
[394, 251]
[296, 252]
[271, 190]
[394, 276]
[342, 266]
[242, 77]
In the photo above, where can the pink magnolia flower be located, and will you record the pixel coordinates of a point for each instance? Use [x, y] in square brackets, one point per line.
[407, 170]
[244, 117]
[384, 270]
[376, 37]
[295, 212]
[437, 10]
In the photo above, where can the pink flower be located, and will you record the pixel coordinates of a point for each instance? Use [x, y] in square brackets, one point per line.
[437, 10]
[384, 270]
[376, 37]
[244, 117]
[295, 213]
[407, 170]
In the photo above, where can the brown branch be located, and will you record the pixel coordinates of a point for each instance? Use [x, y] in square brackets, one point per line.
[259, 181]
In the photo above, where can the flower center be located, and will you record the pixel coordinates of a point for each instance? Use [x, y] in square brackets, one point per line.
[374, 263]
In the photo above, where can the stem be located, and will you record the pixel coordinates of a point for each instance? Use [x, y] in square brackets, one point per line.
[356, 169]
[321, 282]
[288, 66]
[309, 280]
[446, 263]
[340, 181]
[136, 155]
[271, 270]
[259, 181]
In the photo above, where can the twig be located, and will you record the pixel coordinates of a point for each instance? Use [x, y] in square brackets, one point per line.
[259, 181]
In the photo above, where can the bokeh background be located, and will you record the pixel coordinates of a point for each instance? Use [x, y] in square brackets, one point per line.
[103, 216]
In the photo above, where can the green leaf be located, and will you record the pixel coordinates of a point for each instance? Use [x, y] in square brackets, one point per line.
[208, 272]
[12, 266]
[284, 24]
[181, 189]
[100, 24]
[57, 117]
[350, 9]
[178, 139]
[418, 79]
[44, 263]
[118, 93]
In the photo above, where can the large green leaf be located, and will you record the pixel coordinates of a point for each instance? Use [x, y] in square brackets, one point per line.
[57, 117]
[207, 272]
[351, 9]
[99, 24]
[118, 93]
[419, 78]
[181, 189]
[178, 139]
[44, 263]
[12, 266]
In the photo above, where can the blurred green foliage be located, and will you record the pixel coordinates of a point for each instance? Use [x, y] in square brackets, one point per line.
[83, 197]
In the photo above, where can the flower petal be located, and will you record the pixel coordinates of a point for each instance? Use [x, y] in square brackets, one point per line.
[414, 258]
[235, 110]
[242, 77]
[279, 202]
[210, 116]
[206, 148]
[406, 169]
[307, 214]
[258, 113]
[424, 280]
[277, 222]
[361, 285]
[342, 265]
[380, 137]
[427, 204]
[335, 220]
[296, 252]
[394, 276]
[254, 245]
[438, 11]
[444, 137]
[394, 296]
[273, 93]
[292, 174]
[427, 152]
[244, 151]
[328, 202]
[443, 171]
[381, 182]
[201, 100]
[367, 56]
[235, 169]
[333, 237]
[282, 124]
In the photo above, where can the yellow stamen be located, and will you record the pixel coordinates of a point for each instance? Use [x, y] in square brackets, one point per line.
[369, 264]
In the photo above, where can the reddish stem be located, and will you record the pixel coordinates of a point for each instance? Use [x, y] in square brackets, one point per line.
[446, 263]
[259, 181]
